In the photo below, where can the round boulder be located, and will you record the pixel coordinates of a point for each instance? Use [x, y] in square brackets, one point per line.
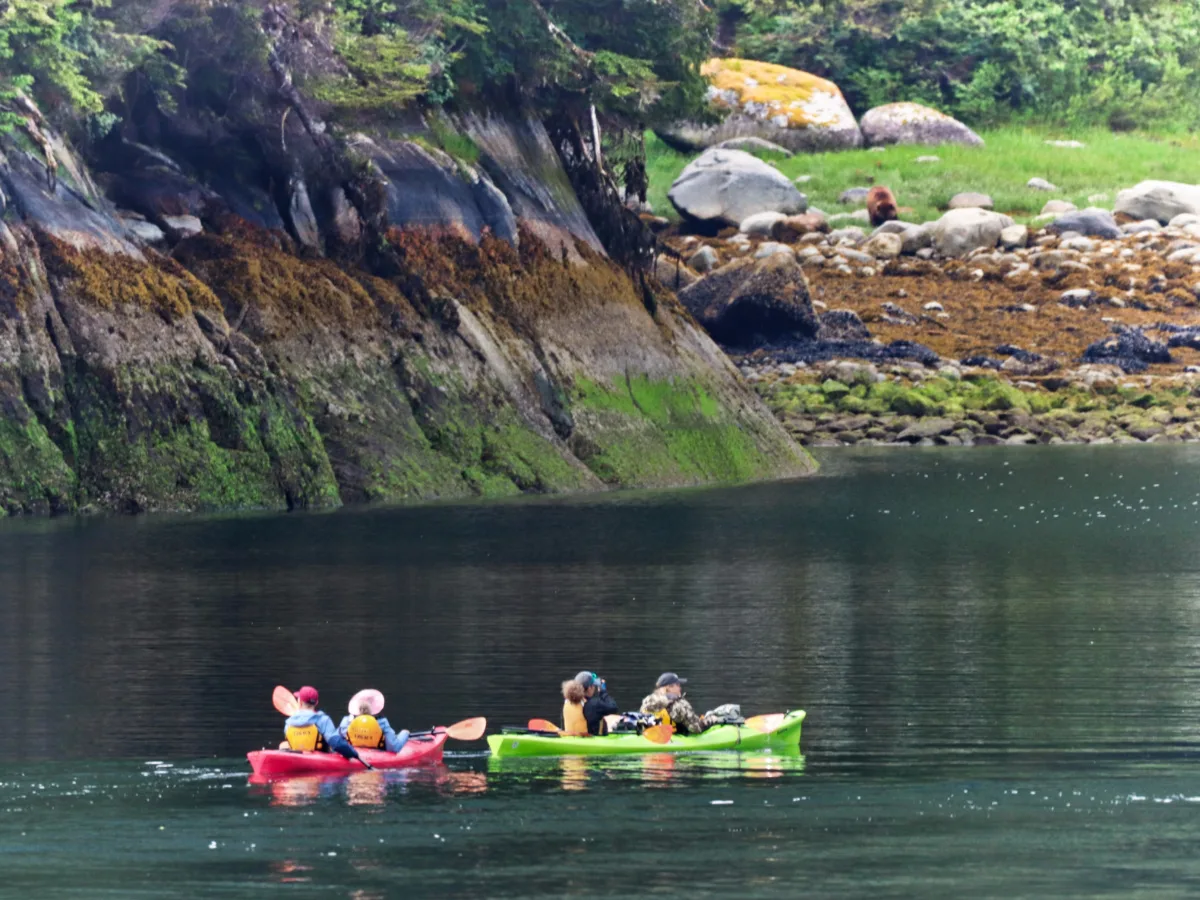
[1161, 200]
[788, 107]
[971, 199]
[753, 301]
[960, 231]
[1092, 221]
[912, 123]
[729, 186]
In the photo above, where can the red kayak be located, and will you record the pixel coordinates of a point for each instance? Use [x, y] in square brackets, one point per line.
[419, 751]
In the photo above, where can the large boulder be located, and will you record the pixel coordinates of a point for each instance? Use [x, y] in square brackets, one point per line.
[788, 107]
[960, 231]
[912, 123]
[1093, 221]
[1161, 200]
[754, 301]
[729, 186]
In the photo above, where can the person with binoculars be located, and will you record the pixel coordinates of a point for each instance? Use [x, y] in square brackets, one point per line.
[586, 703]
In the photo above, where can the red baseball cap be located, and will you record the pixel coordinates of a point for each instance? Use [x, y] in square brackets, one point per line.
[308, 694]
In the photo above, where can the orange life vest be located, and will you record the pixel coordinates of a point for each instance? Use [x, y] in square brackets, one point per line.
[364, 732]
[304, 737]
[573, 719]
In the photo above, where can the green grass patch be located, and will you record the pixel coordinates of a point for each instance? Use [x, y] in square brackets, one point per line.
[1109, 163]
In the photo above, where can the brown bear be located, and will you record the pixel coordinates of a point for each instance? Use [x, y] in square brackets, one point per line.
[881, 205]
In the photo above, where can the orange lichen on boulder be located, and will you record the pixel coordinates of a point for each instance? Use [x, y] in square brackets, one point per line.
[109, 280]
[789, 97]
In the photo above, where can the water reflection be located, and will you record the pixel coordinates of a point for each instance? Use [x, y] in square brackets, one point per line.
[367, 788]
[579, 773]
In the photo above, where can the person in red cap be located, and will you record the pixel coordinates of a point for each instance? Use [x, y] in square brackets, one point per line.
[310, 729]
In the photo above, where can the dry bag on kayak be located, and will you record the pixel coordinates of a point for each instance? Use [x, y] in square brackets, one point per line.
[633, 723]
[725, 714]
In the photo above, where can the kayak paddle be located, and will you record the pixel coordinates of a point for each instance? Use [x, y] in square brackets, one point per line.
[285, 701]
[659, 734]
[466, 730]
[765, 724]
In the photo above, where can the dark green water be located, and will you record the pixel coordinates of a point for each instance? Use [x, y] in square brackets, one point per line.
[998, 650]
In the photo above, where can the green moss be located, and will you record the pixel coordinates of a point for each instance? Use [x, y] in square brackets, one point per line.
[190, 443]
[912, 402]
[652, 432]
[34, 476]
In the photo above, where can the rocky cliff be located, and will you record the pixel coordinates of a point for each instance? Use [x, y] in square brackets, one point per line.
[239, 311]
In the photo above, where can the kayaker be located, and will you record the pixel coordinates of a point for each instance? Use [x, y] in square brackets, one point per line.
[364, 729]
[668, 698]
[574, 697]
[599, 704]
[310, 729]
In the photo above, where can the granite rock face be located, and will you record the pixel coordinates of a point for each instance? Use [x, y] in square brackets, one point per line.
[373, 320]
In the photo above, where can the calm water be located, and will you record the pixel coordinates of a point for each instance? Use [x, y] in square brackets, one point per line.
[998, 650]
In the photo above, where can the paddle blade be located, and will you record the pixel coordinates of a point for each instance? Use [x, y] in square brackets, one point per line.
[467, 729]
[543, 725]
[658, 734]
[765, 724]
[284, 700]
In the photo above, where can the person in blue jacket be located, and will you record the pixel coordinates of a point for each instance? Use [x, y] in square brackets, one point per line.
[363, 727]
[310, 729]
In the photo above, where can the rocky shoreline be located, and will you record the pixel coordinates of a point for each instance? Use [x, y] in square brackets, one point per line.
[845, 403]
[1082, 327]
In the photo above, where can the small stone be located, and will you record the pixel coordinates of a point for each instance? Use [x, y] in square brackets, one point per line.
[1014, 237]
[183, 226]
[1058, 207]
[850, 235]
[1078, 297]
[928, 159]
[884, 246]
[770, 248]
[704, 260]
[933, 306]
[856, 256]
[760, 224]
[1093, 199]
[1082, 244]
[146, 232]
[971, 200]
[1040, 184]
[854, 196]
[1066, 145]
[803, 179]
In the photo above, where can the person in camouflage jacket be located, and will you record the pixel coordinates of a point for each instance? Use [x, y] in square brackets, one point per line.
[668, 695]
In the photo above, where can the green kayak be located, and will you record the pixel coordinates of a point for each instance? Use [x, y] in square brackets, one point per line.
[783, 734]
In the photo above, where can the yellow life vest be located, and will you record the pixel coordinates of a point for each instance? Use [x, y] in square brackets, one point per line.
[663, 716]
[304, 737]
[365, 732]
[573, 719]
